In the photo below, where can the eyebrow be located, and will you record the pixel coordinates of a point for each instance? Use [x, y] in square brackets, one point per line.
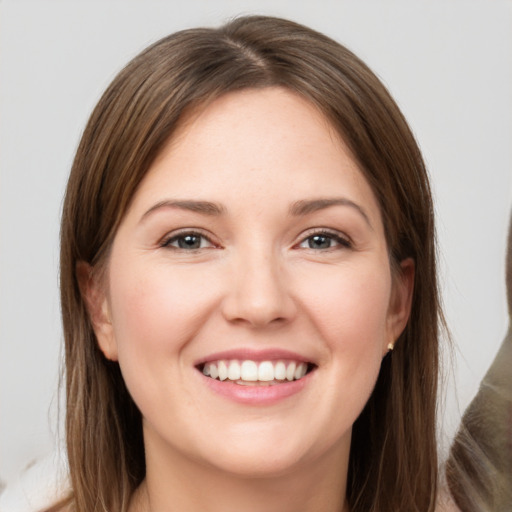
[203, 207]
[298, 208]
[305, 207]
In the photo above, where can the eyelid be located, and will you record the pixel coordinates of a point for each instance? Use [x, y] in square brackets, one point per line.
[342, 239]
[166, 240]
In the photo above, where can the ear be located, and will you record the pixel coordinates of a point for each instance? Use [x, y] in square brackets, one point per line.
[401, 301]
[96, 302]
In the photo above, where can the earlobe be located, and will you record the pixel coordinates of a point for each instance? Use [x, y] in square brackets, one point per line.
[96, 302]
[401, 301]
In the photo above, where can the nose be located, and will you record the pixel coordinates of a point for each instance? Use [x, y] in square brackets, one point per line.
[259, 294]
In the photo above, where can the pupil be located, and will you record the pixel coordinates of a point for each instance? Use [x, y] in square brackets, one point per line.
[189, 242]
[319, 242]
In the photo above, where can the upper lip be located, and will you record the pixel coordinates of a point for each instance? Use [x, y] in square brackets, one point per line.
[243, 354]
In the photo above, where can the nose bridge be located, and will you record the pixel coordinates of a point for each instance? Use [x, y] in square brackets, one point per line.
[258, 294]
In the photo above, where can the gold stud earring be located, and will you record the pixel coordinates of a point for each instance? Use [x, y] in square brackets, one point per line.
[390, 347]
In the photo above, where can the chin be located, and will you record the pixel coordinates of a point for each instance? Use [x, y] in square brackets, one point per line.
[253, 463]
[272, 452]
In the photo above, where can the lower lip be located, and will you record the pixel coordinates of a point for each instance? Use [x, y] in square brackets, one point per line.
[257, 395]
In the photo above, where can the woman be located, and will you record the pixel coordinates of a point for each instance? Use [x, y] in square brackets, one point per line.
[248, 284]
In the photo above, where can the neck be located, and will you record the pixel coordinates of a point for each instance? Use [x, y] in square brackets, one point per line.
[175, 483]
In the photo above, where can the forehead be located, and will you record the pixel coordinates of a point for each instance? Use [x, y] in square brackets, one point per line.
[260, 144]
[271, 102]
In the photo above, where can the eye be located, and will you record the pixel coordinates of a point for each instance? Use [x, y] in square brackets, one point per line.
[324, 240]
[187, 241]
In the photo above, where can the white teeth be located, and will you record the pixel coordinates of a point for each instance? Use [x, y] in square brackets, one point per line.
[280, 371]
[266, 371]
[214, 373]
[290, 371]
[223, 370]
[251, 371]
[233, 370]
[300, 371]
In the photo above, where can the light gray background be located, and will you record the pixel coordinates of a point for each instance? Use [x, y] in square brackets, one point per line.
[448, 64]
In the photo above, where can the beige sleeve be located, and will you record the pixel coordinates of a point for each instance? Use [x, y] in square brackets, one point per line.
[479, 469]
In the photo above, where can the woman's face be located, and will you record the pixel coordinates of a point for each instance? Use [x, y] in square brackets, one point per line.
[253, 252]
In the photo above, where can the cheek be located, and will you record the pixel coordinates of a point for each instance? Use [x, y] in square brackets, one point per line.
[155, 313]
[156, 308]
[361, 334]
[350, 305]
[350, 310]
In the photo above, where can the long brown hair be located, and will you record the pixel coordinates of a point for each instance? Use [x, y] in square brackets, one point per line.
[393, 460]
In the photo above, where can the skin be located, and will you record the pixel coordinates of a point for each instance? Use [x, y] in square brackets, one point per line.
[258, 281]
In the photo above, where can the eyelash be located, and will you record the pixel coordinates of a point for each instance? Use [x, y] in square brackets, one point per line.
[175, 237]
[341, 241]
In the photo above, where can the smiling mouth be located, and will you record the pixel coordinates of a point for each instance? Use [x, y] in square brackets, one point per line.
[256, 373]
